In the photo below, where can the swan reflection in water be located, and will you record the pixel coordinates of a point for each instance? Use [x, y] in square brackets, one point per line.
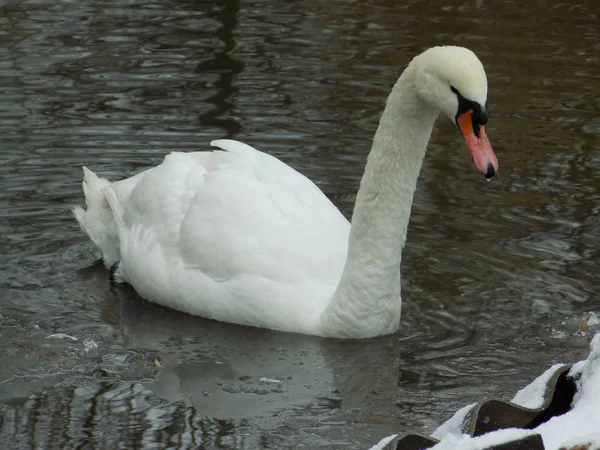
[231, 371]
[214, 380]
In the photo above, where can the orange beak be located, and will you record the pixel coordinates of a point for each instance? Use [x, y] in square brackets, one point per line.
[478, 144]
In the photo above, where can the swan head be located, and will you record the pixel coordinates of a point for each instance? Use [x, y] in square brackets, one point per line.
[452, 80]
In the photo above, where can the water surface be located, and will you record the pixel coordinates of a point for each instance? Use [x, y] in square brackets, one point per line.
[496, 276]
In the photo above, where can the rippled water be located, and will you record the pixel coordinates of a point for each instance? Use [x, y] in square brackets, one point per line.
[496, 276]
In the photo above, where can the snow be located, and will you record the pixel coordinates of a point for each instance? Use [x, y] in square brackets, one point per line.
[467, 442]
[533, 395]
[385, 441]
[592, 441]
[579, 426]
[584, 418]
[454, 424]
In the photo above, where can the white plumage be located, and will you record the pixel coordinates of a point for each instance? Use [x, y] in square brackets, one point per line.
[238, 236]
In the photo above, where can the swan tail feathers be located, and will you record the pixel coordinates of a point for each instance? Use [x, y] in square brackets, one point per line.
[97, 220]
[115, 206]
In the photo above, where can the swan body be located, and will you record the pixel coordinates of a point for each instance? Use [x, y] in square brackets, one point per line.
[238, 236]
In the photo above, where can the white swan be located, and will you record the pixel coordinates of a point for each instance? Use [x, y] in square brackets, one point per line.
[238, 236]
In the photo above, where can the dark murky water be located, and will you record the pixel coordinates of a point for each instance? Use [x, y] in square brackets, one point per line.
[496, 276]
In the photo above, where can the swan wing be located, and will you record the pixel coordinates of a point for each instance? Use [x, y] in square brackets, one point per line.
[234, 234]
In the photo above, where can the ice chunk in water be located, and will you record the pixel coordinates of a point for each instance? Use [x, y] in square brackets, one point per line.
[91, 343]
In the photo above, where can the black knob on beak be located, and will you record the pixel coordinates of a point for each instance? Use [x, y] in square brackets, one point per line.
[490, 172]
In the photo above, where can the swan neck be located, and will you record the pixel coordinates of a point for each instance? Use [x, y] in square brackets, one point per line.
[367, 300]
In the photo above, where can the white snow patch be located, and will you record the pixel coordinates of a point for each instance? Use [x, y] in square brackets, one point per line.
[382, 443]
[454, 424]
[533, 395]
[583, 419]
[467, 442]
[593, 440]
[577, 368]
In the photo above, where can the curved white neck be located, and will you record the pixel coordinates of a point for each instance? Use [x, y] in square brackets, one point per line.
[367, 300]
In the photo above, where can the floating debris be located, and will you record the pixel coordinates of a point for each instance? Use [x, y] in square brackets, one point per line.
[90, 344]
[583, 325]
[403, 404]
[25, 345]
[269, 380]
[61, 336]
